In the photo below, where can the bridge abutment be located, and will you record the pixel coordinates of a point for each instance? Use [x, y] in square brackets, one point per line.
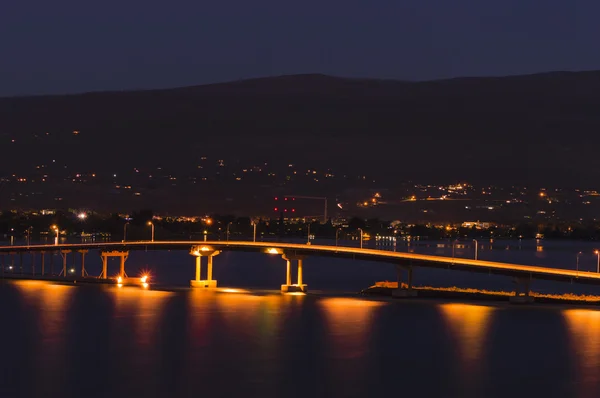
[209, 253]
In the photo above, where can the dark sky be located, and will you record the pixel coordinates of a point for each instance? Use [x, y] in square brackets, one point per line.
[58, 46]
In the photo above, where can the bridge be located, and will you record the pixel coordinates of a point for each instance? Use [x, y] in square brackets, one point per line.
[293, 252]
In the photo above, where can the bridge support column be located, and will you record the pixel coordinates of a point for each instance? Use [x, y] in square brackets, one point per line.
[63, 254]
[83, 271]
[104, 273]
[122, 273]
[210, 253]
[105, 255]
[299, 286]
[522, 289]
[43, 255]
[404, 289]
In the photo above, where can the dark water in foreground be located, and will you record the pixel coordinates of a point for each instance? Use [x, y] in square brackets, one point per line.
[104, 341]
[93, 341]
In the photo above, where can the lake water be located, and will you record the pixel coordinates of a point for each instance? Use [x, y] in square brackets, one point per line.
[170, 341]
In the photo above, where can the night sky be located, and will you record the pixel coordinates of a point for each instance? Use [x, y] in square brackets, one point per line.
[66, 46]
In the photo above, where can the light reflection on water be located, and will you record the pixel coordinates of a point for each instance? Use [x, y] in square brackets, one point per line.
[48, 306]
[583, 326]
[348, 322]
[134, 332]
[94, 341]
[469, 325]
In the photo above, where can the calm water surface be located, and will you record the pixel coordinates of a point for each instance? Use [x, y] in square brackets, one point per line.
[93, 341]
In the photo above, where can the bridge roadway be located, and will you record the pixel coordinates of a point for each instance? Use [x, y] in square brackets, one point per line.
[522, 272]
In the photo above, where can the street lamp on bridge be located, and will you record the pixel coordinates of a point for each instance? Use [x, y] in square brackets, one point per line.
[361, 237]
[57, 230]
[151, 224]
[125, 231]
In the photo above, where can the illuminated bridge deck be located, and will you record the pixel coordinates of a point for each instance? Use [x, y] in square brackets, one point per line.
[420, 260]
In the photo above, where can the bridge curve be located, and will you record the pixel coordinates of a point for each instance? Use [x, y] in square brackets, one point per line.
[397, 258]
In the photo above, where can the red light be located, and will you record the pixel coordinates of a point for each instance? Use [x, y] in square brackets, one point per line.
[285, 210]
[293, 198]
[284, 198]
[275, 209]
[293, 210]
[275, 197]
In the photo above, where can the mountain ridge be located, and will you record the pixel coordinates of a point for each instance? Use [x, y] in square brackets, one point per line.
[497, 129]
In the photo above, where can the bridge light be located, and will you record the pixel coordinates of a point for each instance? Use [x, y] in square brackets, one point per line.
[275, 209]
[275, 197]
[285, 198]
[293, 210]
[119, 280]
[144, 278]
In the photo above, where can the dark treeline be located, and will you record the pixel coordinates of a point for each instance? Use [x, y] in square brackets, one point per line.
[223, 226]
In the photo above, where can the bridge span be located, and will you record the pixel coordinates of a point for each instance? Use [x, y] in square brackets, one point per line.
[523, 274]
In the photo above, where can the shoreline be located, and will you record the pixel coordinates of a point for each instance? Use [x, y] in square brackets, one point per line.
[385, 289]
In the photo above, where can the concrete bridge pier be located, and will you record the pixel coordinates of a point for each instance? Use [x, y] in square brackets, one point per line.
[105, 255]
[209, 253]
[522, 289]
[404, 289]
[299, 286]
[43, 255]
[83, 271]
[63, 254]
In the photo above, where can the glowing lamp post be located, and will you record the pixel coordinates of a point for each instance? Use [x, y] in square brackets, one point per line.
[125, 231]
[55, 229]
[151, 224]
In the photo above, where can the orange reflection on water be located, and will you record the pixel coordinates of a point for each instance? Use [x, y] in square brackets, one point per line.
[52, 302]
[251, 311]
[145, 307]
[349, 320]
[49, 304]
[584, 334]
[469, 324]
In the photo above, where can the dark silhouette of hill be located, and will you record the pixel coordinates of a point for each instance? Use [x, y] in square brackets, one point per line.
[535, 129]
